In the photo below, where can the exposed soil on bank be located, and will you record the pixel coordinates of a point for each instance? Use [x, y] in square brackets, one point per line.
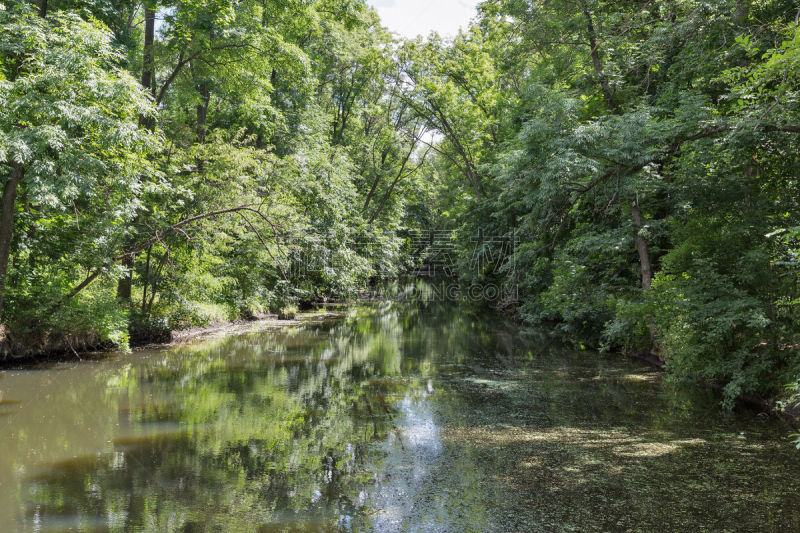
[240, 327]
[71, 350]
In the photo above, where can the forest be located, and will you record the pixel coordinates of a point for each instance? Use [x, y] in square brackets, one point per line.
[175, 163]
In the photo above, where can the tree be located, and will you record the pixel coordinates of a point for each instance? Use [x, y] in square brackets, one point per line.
[642, 156]
[70, 139]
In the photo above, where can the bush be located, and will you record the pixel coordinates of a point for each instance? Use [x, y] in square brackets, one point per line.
[712, 329]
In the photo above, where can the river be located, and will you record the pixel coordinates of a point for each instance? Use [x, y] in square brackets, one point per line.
[392, 417]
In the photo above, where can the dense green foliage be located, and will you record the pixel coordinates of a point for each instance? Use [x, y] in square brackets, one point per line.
[644, 155]
[260, 161]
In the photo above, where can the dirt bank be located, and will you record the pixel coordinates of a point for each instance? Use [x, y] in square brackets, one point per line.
[71, 349]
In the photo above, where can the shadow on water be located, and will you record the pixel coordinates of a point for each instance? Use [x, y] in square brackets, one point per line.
[403, 417]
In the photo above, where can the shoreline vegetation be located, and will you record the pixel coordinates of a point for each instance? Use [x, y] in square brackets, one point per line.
[322, 313]
[64, 352]
[630, 170]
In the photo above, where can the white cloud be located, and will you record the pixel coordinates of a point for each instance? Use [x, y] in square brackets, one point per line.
[410, 18]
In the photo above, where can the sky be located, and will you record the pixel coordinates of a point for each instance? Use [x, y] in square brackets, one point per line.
[410, 18]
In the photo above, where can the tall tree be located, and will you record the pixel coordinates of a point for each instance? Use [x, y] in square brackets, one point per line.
[69, 133]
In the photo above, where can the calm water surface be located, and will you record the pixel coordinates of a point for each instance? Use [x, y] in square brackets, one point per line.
[393, 418]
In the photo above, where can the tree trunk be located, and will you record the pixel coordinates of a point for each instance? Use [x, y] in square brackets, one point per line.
[42, 5]
[641, 247]
[378, 177]
[371, 192]
[608, 95]
[646, 269]
[7, 226]
[148, 67]
[385, 198]
[125, 283]
[202, 113]
[146, 280]
[742, 9]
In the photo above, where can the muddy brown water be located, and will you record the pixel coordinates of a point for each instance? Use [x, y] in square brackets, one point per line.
[397, 417]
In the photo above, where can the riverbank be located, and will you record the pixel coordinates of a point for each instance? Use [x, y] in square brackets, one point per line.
[71, 349]
[769, 406]
[239, 327]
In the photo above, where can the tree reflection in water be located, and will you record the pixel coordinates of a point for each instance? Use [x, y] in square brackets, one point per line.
[399, 417]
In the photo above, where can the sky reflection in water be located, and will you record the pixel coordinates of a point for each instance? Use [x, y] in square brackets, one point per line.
[395, 418]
